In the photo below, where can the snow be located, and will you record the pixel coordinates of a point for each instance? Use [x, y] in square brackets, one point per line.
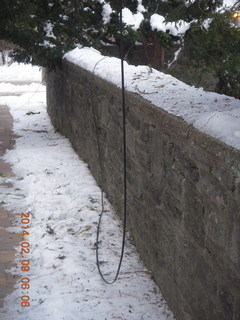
[229, 3]
[132, 19]
[176, 54]
[141, 7]
[57, 188]
[106, 13]
[48, 44]
[177, 28]
[48, 28]
[15, 73]
[158, 23]
[206, 23]
[215, 114]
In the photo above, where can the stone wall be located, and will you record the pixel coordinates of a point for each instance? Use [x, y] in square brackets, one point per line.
[183, 189]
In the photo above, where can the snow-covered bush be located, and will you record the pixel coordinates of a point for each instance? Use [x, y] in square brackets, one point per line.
[45, 29]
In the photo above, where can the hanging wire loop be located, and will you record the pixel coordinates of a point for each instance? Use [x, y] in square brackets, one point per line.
[124, 167]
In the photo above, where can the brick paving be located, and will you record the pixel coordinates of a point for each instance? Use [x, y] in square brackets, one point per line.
[8, 241]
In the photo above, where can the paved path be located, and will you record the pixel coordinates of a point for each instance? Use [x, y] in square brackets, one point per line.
[7, 240]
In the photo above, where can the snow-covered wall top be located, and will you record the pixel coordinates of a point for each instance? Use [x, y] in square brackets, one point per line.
[215, 114]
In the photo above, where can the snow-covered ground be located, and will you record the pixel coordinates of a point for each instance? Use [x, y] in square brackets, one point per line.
[215, 114]
[18, 72]
[57, 188]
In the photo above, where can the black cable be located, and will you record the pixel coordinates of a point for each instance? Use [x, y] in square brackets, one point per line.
[124, 166]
